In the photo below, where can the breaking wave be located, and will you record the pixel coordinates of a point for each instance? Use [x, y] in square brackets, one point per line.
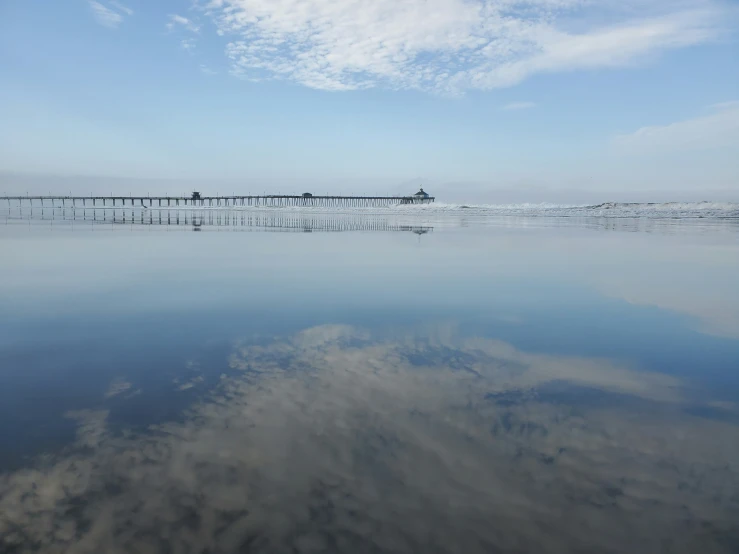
[608, 209]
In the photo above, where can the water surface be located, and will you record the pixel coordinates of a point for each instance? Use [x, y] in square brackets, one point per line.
[285, 381]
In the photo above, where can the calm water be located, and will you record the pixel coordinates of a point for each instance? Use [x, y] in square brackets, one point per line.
[266, 381]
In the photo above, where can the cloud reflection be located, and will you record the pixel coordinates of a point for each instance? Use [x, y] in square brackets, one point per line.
[118, 386]
[336, 441]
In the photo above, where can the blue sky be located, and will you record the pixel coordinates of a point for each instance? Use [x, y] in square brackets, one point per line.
[504, 100]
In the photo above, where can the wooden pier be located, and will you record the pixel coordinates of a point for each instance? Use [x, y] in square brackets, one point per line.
[272, 201]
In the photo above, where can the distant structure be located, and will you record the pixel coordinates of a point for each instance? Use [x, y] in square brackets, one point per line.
[421, 195]
[195, 196]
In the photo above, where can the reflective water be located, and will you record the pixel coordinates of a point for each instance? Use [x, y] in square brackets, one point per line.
[370, 383]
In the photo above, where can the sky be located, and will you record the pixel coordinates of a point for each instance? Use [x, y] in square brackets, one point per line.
[477, 100]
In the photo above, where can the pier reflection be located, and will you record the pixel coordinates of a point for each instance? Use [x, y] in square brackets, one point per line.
[201, 220]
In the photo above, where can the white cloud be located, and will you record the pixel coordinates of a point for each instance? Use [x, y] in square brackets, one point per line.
[519, 106]
[446, 46]
[725, 105]
[207, 70]
[187, 44]
[716, 130]
[105, 16]
[121, 8]
[178, 20]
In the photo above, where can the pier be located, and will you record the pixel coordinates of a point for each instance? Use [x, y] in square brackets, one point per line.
[270, 201]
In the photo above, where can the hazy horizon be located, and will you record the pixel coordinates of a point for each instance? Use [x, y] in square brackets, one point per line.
[445, 192]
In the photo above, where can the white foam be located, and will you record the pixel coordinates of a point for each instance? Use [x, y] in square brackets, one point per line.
[609, 209]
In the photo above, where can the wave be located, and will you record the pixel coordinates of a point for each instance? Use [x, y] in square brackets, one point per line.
[606, 209]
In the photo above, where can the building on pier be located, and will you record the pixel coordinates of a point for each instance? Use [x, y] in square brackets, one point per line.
[421, 195]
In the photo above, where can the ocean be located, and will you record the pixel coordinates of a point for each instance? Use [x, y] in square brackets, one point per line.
[437, 378]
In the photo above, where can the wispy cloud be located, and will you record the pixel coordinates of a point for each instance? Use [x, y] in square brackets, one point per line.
[725, 105]
[121, 8]
[716, 130]
[446, 46]
[180, 21]
[519, 106]
[207, 70]
[109, 17]
[187, 44]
